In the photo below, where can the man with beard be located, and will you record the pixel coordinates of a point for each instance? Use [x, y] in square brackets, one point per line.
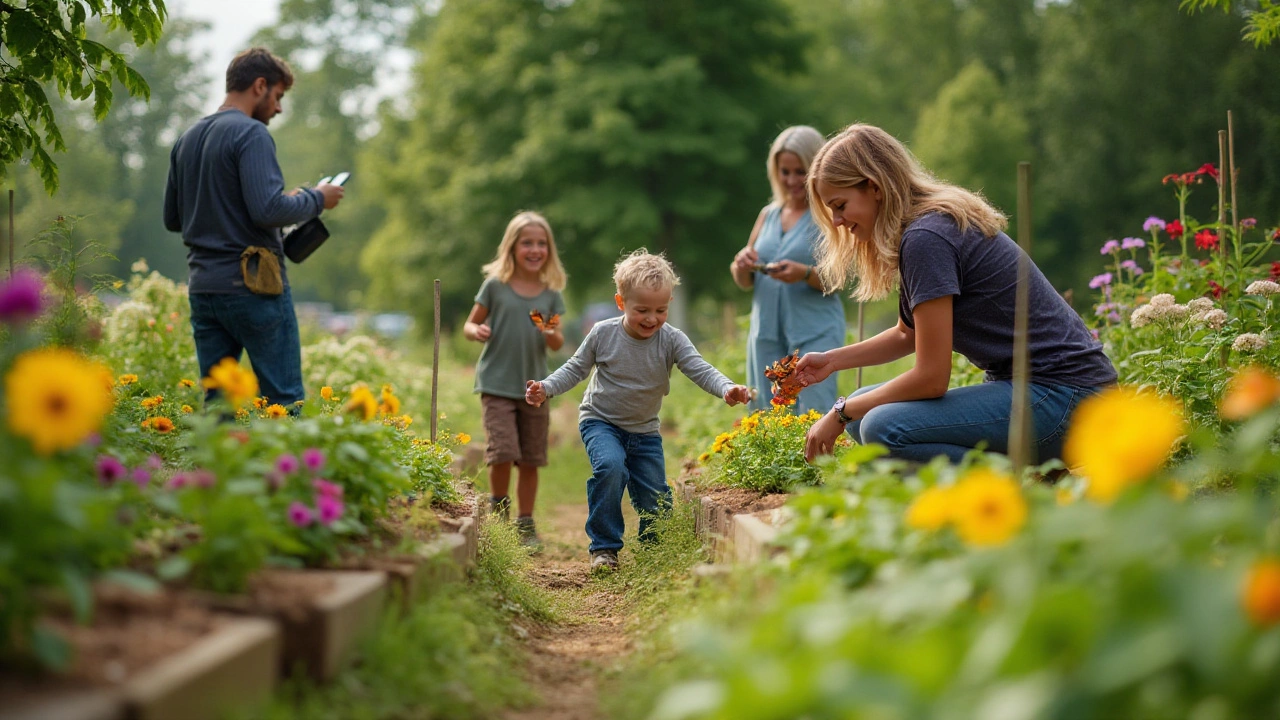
[226, 195]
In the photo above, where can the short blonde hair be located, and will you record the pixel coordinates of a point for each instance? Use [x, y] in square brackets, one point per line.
[801, 140]
[865, 153]
[641, 269]
[503, 265]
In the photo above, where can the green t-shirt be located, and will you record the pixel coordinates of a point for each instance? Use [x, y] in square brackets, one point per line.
[516, 350]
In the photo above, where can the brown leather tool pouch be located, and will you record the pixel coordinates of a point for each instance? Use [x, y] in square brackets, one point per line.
[262, 277]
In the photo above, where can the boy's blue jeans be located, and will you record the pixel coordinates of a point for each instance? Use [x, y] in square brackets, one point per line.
[265, 326]
[619, 460]
[955, 423]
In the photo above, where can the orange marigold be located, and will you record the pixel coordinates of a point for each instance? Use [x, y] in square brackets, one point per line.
[1262, 592]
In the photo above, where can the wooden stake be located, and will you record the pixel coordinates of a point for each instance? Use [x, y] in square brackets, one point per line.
[1222, 200]
[1020, 437]
[1231, 162]
[435, 367]
[861, 336]
[11, 236]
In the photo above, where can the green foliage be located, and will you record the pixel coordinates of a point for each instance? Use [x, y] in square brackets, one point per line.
[1262, 23]
[501, 564]
[149, 335]
[48, 43]
[67, 255]
[765, 452]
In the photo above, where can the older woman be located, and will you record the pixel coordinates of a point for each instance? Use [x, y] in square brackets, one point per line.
[886, 221]
[789, 310]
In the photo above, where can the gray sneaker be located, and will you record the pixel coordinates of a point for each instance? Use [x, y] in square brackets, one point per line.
[604, 560]
[528, 532]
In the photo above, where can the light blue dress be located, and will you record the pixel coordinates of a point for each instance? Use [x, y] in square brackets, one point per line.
[791, 316]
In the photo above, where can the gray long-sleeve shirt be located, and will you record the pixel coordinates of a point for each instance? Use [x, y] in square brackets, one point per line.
[225, 193]
[632, 376]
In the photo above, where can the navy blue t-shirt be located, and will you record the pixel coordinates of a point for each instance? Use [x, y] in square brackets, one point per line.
[936, 260]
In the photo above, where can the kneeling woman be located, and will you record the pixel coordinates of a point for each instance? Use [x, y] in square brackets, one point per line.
[886, 220]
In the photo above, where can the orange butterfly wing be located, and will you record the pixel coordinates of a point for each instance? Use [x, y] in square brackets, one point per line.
[536, 317]
[785, 389]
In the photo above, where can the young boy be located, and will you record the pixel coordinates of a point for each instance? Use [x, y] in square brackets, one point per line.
[632, 356]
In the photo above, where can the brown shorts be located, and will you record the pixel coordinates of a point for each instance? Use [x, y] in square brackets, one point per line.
[517, 431]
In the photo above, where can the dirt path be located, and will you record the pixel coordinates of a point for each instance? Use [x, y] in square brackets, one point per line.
[565, 658]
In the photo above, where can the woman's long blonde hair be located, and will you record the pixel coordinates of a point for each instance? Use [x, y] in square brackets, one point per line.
[503, 265]
[801, 140]
[862, 153]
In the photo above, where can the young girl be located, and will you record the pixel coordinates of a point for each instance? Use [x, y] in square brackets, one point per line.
[516, 315]
[886, 221]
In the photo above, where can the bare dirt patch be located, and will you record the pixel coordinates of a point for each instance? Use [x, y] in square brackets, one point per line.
[742, 500]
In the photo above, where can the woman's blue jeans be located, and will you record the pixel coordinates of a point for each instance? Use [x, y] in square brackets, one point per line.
[955, 423]
[622, 460]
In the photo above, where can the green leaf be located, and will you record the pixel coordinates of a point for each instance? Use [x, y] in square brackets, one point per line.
[78, 592]
[173, 568]
[101, 98]
[50, 648]
[132, 580]
[23, 32]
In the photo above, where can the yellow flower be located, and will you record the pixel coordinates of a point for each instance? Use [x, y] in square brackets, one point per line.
[128, 379]
[259, 403]
[1119, 437]
[151, 403]
[187, 383]
[931, 510]
[161, 424]
[442, 416]
[722, 441]
[988, 508]
[1250, 391]
[56, 398]
[704, 457]
[1261, 598]
[187, 409]
[326, 393]
[362, 403]
[390, 404]
[233, 381]
[276, 411]
[241, 413]
[463, 438]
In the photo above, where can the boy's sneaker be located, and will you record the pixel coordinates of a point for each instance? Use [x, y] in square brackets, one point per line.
[528, 533]
[604, 560]
[500, 507]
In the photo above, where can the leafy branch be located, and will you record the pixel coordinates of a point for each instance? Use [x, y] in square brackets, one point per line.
[1262, 26]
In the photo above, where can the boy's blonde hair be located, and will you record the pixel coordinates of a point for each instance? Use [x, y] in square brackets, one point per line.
[862, 153]
[801, 140]
[503, 265]
[641, 269]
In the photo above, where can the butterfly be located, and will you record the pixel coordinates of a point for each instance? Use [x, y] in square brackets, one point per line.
[542, 324]
[785, 388]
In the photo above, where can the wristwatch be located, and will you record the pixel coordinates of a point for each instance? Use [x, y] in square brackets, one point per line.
[839, 410]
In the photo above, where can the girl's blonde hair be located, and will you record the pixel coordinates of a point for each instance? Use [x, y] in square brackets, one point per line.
[865, 153]
[802, 140]
[503, 265]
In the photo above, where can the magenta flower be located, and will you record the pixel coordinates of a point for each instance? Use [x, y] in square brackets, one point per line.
[1153, 223]
[204, 478]
[1101, 280]
[1132, 243]
[178, 481]
[1110, 246]
[326, 488]
[141, 477]
[1248, 223]
[287, 464]
[300, 515]
[1132, 267]
[1094, 333]
[329, 509]
[313, 458]
[21, 297]
[154, 462]
[109, 470]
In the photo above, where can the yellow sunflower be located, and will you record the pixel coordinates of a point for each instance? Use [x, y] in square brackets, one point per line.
[1250, 391]
[1261, 599]
[362, 403]
[931, 510]
[127, 379]
[390, 405]
[184, 382]
[326, 393]
[463, 438]
[276, 411]
[187, 409]
[1119, 437]
[235, 383]
[989, 508]
[55, 398]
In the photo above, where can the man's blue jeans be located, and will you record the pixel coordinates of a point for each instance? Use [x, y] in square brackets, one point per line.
[955, 423]
[619, 460]
[263, 325]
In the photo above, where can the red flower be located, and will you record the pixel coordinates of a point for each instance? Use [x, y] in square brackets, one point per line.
[1206, 240]
[1215, 289]
[1174, 228]
[1208, 169]
[1276, 235]
[1275, 270]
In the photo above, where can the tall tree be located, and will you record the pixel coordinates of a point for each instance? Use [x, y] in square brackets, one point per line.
[48, 42]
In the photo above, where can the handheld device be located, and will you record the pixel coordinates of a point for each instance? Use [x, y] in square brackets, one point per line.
[338, 179]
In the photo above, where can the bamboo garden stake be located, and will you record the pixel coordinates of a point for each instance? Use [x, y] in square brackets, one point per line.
[1020, 418]
[435, 367]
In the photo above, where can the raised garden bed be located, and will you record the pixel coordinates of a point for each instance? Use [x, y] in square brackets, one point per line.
[737, 524]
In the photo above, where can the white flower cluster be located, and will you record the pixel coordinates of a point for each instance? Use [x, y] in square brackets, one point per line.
[1262, 287]
[1161, 309]
[1248, 342]
[1203, 311]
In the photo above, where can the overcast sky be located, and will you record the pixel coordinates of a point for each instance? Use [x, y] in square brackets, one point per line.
[234, 22]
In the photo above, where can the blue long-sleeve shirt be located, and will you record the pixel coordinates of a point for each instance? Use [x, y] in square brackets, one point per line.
[225, 193]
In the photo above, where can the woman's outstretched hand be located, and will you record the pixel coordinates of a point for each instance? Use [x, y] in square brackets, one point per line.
[813, 368]
[821, 439]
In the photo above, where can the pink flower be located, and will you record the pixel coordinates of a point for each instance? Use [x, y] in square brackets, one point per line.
[1153, 223]
[1101, 280]
[313, 458]
[1249, 223]
[178, 481]
[22, 297]
[109, 470]
[329, 509]
[300, 515]
[287, 464]
[1110, 246]
[154, 462]
[204, 478]
[1132, 267]
[326, 488]
[141, 477]
[1132, 243]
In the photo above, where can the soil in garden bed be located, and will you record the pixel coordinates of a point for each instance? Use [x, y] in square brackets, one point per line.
[743, 501]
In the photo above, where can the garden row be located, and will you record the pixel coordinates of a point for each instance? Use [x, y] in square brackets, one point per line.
[149, 549]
